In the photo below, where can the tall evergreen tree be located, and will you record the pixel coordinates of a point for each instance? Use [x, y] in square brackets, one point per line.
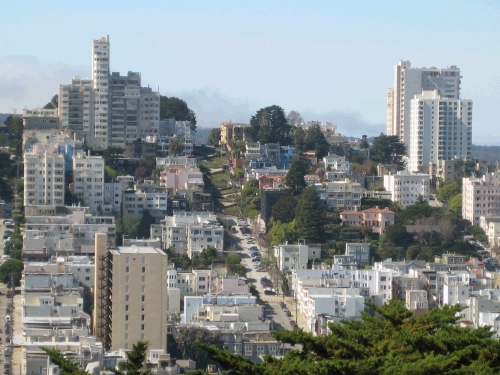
[295, 177]
[310, 216]
[315, 140]
[388, 150]
[269, 125]
[299, 139]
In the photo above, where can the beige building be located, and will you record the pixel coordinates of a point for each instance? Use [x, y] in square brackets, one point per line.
[234, 131]
[376, 218]
[131, 298]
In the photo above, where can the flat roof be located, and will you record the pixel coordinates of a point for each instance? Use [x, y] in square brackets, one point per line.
[136, 250]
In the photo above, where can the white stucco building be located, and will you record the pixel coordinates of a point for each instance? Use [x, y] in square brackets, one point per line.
[406, 187]
[440, 129]
[409, 82]
[44, 178]
[88, 181]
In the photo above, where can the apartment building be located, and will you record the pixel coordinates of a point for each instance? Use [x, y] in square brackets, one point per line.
[291, 257]
[135, 202]
[149, 112]
[376, 218]
[101, 55]
[68, 234]
[52, 141]
[88, 181]
[179, 178]
[337, 163]
[409, 82]
[178, 161]
[76, 106]
[340, 195]
[234, 132]
[40, 119]
[130, 298]
[440, 129]
[220, 307]
[407, 187]
[44, 178]
[360, 253]
[481, 197]
[416, 300]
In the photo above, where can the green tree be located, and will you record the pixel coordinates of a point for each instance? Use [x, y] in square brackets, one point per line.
[53, 104]
[136, 361]
[455, 204]
[294, 119]
[234, 266]
[299, 139]
[15, 125]
[477, 232]
[310, 216]
[214, 137]
[284, 209]
[269, 125]
[65, 365]
[111, 156]
[239, 173]
[447, 192]
[176, 108]
[11, 268]
[398, 235]
[388, 150]
[391, 341]
[182, 345]
[295, 177]
[315, 140]
[176, 146]
[364, 143]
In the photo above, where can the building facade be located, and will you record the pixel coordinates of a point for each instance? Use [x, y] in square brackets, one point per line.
[44, 178]
[407, 187]
[440, 129]
[481, 197]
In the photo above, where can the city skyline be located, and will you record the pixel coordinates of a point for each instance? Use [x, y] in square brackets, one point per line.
[228, 61]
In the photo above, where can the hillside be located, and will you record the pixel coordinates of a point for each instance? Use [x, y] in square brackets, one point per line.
[487, 153]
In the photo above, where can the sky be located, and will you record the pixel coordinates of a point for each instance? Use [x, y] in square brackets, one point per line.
[329, 60]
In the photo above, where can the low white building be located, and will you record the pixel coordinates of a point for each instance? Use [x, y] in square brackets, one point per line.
[337, 163]
[407, 187]
[291, 257]
[359, 251]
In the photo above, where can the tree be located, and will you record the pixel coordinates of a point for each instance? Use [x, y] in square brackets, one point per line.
[315, 140]
[176, 146]
[53, 104]
[129, 225]
[136, 361]
[284, 209]
[11, 268]
[233, 264]
[294, 119]
[388, 150]
[455, 204]
[15, 125]
[398, 235]
[214, 137]
[447, 192]
[111, 156]
[391, 341]
[310, 216]
[140, 173]
[239, 173]
[65, 365]
[364, 143]
[299, 139]
[295, 177]
[269, 125]
[176, 108]
[182, 345]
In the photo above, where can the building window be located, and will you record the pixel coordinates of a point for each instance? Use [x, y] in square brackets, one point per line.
[143, 269]
[126, 269]
[126, 307]
[142, 317]
[126, 327]
[143, 260]
[126, 298]
[143, 298]
[142, 327]
[144, 279]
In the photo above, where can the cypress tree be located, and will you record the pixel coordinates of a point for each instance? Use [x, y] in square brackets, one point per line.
[310, 217]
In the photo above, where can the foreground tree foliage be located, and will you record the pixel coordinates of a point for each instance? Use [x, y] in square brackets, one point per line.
[394, 341]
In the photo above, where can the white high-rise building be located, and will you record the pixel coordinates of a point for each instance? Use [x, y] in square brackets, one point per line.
[409, 82]
[440, 129]
[100, 79]
[88, 181]
[76, 109]
[44, 178]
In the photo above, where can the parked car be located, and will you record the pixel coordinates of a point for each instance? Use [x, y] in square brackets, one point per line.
[261, 269]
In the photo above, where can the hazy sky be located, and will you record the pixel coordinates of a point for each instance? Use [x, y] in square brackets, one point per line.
[330, 60]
